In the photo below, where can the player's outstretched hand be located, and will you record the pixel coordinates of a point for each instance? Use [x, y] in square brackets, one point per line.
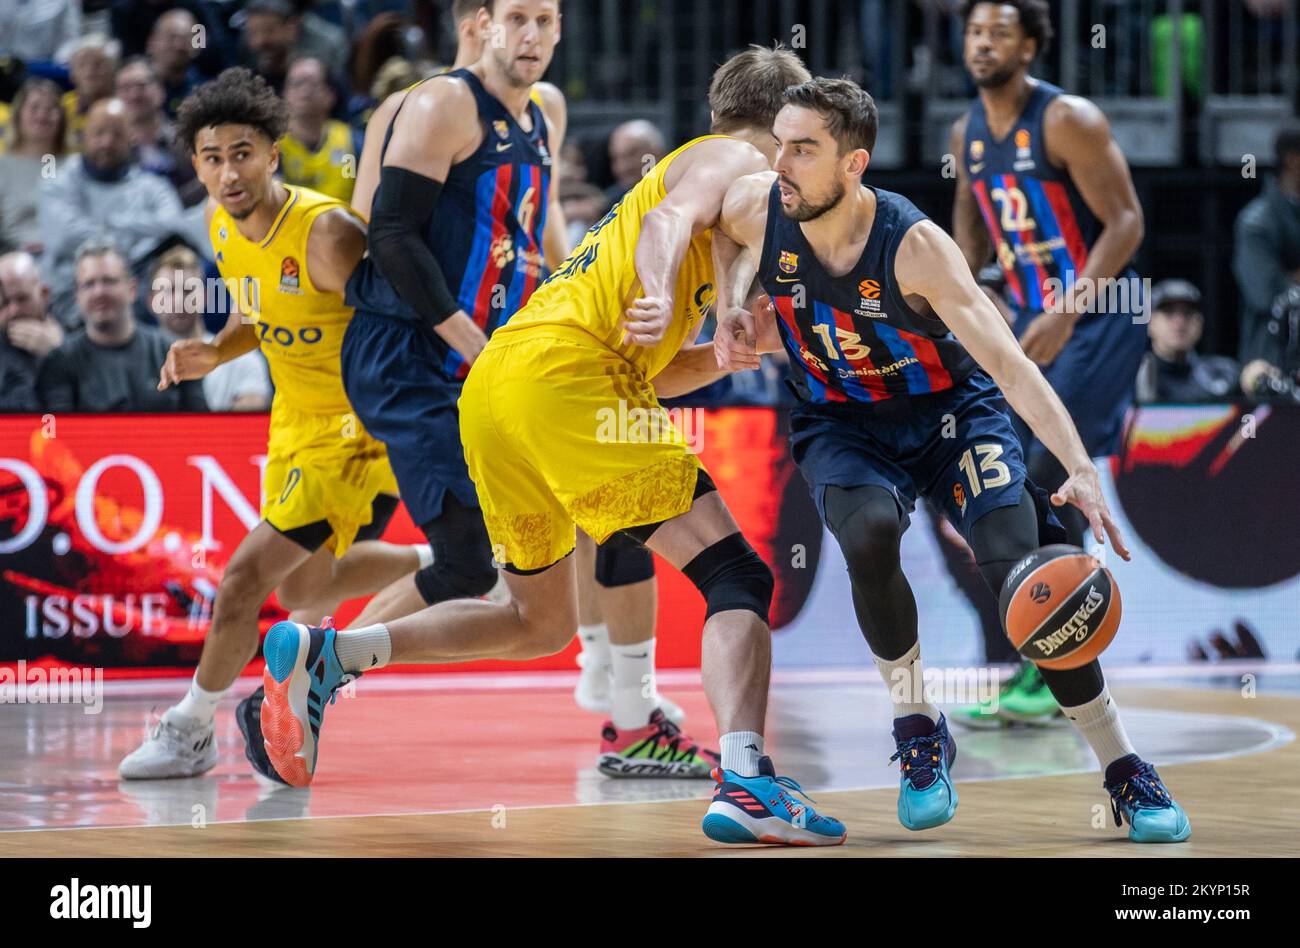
[187, 359]
[646, 321]
[735, 341]
[1084, 491]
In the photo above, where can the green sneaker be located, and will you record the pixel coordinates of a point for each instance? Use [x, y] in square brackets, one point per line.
[1031, 701]
[1020, 701]
[987, 715]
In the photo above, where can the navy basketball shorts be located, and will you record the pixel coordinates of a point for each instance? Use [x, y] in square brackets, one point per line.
[1095, 375]
[392, 378]
[956, 447]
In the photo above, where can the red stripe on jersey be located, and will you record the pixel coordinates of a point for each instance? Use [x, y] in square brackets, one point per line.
[1066, 223]
[492, 272]
[995, 232]
[928, 355]
[1009, 183]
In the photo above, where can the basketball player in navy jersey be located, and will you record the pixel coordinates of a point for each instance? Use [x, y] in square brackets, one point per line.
[901, 363]
[1044, 189]
[464, 221]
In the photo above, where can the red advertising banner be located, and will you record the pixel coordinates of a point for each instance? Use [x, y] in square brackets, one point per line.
[115, 530]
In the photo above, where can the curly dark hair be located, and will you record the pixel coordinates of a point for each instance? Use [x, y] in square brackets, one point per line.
[1035, 18]
[236, 97]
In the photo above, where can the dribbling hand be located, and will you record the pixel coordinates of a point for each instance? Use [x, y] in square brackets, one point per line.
[1084, 491]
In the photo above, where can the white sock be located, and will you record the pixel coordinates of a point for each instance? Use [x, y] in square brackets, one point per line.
[595, 645]
[425, 553]
[199, 704]
[741, 751]
[1098, 721]
[905, 684]
[362, 649]
[632, 699]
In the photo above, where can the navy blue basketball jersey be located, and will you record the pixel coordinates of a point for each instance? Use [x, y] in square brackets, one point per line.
[486, 232]
[1040, 226]
[853, 340]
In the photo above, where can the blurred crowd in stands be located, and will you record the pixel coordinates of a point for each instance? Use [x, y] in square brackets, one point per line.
[104, 258]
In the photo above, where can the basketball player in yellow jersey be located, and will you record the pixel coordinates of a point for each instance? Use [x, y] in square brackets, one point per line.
[604, 333]
[287, 253]
[617, 589]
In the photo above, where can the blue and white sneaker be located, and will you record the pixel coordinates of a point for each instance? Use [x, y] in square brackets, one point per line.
[761, 810]
[1139, 796]
[926, 751]
[302, 675]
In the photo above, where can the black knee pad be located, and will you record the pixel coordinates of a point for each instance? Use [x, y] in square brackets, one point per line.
[462, 555]
[731, 575]
[868, 524]
[464, 579]
[622, 561]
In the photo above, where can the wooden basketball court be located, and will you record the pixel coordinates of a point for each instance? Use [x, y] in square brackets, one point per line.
[504, 766]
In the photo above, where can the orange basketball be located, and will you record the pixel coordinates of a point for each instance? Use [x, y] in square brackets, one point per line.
[1060, 607]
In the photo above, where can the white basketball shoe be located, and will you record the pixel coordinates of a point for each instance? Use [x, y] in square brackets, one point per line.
[177, 746]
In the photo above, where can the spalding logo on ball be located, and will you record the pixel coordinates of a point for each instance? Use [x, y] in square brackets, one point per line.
[1060, 607]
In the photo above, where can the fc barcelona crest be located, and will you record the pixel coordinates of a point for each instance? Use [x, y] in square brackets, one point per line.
[789, 262]
[502, 129]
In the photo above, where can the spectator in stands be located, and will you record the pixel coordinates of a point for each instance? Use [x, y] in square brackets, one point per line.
[274, 33]
[28, 333]
[102, 191]
[1266, 255]
[151, 132]
[34, 32]
[113, 363]
[634, 148]
[39, 130]
[172, 51]
[177, 299]
[92, 62]
[317, 152]
[1173, 371]
[133, 23]
[583, 204]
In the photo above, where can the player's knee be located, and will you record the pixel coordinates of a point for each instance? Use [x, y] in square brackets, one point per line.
[622, 561]
[456, 577]
[730, 575]
[549, 627]
[870, 539]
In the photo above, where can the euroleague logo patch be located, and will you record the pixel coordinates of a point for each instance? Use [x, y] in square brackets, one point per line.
[959, 497]
[289, 276]
[1040, 593]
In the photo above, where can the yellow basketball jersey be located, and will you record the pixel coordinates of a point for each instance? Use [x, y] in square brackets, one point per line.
[301, 328]
[595, 285]
[329, 169]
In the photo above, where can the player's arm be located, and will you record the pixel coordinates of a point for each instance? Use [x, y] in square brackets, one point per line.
[335, 245]
[436, 127]
[967, 225]
[555, 237]
[190, 359]
[1077, 138]
[692, 204]
[930, 264]
[743, 331]
[363, 192]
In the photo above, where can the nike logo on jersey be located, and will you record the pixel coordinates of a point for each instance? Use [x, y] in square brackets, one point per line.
[976, 169]
[505, 147]
[788, 280]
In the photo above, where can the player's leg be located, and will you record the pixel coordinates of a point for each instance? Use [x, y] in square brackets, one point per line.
[459, 566]
[596, 678]
[750, 803]
[184, 742]
[1000, 539]
[628, 595]
[868, 524]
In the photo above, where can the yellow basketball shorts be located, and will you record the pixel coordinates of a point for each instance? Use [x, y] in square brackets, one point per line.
[322, 467]
[559, 432]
